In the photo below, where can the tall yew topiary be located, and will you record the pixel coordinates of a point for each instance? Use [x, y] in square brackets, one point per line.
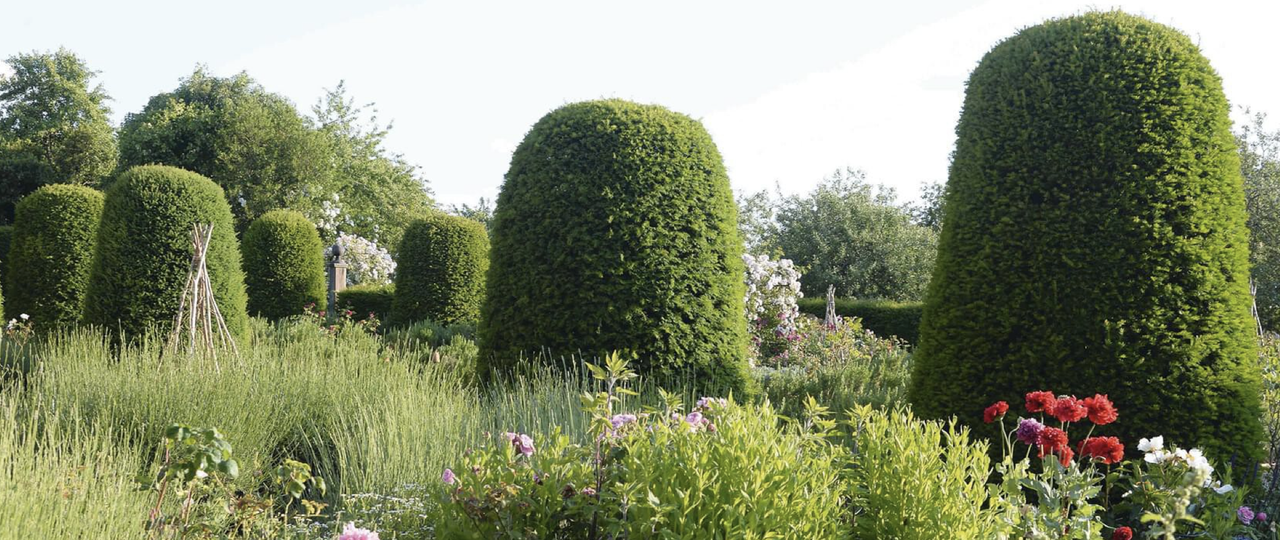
[440, 270]
[616, 230]
[1095, 239]
[55, 231]
[144, 251]
[284, 265]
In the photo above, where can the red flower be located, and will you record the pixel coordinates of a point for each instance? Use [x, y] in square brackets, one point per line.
[1040, 401]
[1101, 410]
[1069, 409]
[1122, 533]
[1051, 438]
[995, 412]
[1108, 450]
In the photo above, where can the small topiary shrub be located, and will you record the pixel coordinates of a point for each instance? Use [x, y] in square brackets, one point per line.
[616, 230]
[144, 251]
[885, 318]
[363, 300]
[1095, 239]
[440, 271]
[284, 265]
[53, 242]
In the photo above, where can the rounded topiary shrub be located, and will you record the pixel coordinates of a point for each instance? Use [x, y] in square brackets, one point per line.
[144, 251]
[1095, 239]
[440, 270]
[55, 231]
[616, 230]
[283, 265]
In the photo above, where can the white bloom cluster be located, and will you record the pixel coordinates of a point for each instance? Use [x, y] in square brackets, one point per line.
[772, 290]
[367, 263]
[1157, 454]
[329, 212]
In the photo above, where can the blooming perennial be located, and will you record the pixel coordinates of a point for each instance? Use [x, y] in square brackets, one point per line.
[351, 532]
[772, 290]
[367, 263]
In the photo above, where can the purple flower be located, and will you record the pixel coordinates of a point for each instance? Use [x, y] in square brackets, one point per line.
[707, 402]
[1245, 514]
[448, 477]
[1261, 517]
[620, 420]
[1029, 430]
[522, 442]
[351, 532]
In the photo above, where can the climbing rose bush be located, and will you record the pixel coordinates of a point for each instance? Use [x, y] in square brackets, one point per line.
[367, 263]
[773, 288]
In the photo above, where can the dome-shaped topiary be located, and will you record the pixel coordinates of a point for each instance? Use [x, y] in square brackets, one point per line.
[55, 231]
[440, 270]
[144, 251]
[1095, 239]
[616, 230]
[283, 265]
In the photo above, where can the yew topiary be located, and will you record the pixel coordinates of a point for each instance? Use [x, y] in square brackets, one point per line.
[1095, 239]
[55, 231]
[144, 251]
[284, 265]
[440, 270]
[616, 230]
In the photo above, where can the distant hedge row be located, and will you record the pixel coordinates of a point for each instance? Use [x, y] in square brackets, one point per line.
[364, 300]
[883, 317]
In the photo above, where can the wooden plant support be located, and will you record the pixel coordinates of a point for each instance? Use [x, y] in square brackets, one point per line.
[199, 322]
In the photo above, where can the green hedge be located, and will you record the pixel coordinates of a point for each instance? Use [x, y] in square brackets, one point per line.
[440, 270]
[55, 231]
[365, 299]
[284, 265]
[6, 239]
[1095, 239]
[616, 230]
[883, 317]
[144, 251]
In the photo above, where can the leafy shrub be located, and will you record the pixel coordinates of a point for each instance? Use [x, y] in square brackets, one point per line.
[53, 242]
[6, 239]
[284, 265]
[144, 251]
[884, 317]
[365, 300]
[431, 334]
[1095, 237]
[616, 230]
[841, 366]
[440, 273]
[918, 480]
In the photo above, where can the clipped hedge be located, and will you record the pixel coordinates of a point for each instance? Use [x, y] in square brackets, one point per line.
[144, 251]
[284, 265]
[440, 270]
[55, 231]
[1095, 239]
[6, 239]
[616, 230]
[885, 318]
[365, 299]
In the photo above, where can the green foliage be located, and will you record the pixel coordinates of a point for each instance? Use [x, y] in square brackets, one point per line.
[6, 240]
[363, 300]
[1095, 238]
[440, 270]
[54, 126]
[1260, 166]
[848, 233]
[884, 317]
[52, 252]
[284, 265]
[616, 230]
[144, 251]
[918, 480]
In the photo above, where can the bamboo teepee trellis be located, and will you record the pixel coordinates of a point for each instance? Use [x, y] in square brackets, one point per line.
[199, 321]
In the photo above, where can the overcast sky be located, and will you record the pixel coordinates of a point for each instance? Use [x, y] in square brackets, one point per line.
[790, 91]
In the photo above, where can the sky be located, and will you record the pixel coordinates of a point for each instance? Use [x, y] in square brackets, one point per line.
[789, 91]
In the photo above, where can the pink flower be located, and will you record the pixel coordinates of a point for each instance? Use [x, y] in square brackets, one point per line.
[620, 420]
[351, 532]
[522, 442]
[1262, 516]
[448, 477]
[1245, 514]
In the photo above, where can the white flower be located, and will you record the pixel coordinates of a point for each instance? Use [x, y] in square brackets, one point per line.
[1223, 489]
[1156, 457]
[1153, 444]
[24, 316]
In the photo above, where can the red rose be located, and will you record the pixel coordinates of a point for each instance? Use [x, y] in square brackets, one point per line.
[995, 412]
[1069, 409]
[1040, 401]
[1122, 533]
[1108, 450]
[1101, 410]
